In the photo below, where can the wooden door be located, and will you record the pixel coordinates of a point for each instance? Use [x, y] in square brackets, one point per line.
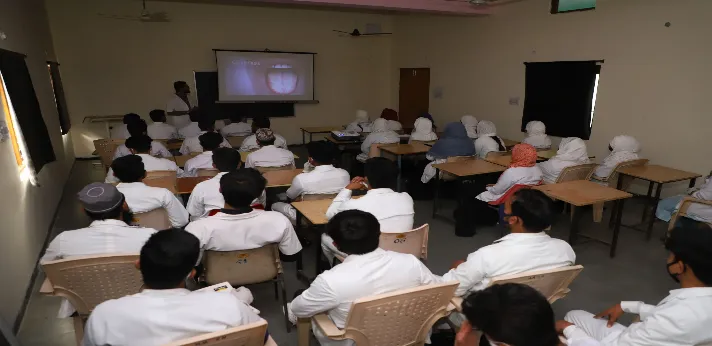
[414, 95]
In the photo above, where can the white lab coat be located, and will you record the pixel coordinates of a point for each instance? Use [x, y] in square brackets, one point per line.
[157, 150]
[423, 131]
[536, 135]
[236, 129]
[380, 135]
[572, 151]
[204, 160]
[470, 123]
[324, 179]
[374, 273]
[361, 124]
[701, 212]
[269, 156]
[192, 144]
[190, 130]
[150, 164]
[509, 178]
[142, 198]
[176, 104]
[250, 143]
[394, 125]
[625, 148]
[206, 196]
[430, 171]
[159, 130]
[484, 145]
[683, 318]
[158, 317]
[225, 232]
[119, 131]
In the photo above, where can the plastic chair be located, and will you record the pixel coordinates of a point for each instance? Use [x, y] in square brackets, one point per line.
[156, 219]
[280, 168]
[317, 197]
[89, 281]
[578, 172]
[207, 172]
[236, 141]
[612, 181]
[245, 267]
[105, 148]
[402, 317]
[414, 242]
[248, 335]
[682, 211]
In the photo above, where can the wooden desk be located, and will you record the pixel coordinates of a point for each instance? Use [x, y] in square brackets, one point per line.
[244, 154]
[186, 185]
[504, 160]
[281, 178]
[582, 193]
[508, 143]
[180, 160]
[318, 129]
[400, 150]
[461, 170]
[315, 213]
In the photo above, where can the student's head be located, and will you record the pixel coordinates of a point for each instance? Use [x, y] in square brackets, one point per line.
[690, 258]
[260, 122]
[168, 258]
[195, 115]
[131, 117]
[103, 201]
[181, 87]
[265, 137]
[129, 169]
[140, 144]
[236, 118]
[226, 159]
[320, 153]
[241, 187]
[510, 314]
[158, 115]
[381, 173]
[528, 211]
[206, 123]
[137, 127]
[210, 141]
[354, 232]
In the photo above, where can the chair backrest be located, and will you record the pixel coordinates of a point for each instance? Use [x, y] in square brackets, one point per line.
[156, 219]
[402, 317]
[578, 172]
[552, 283]
[207, 172]
[611, 179]
[89, 281]
[252, 334]
[161, 174]
[281, 168]
[414, 242]
[236, 141]
[374, 151]
[686, 203]
[105, 148]
[318, 197]
[242, 267]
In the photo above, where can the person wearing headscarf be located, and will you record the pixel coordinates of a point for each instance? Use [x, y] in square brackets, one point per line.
[361, 124]
[488, 140]
[454, 142]
[696, 211]
[572, 152]
[380, 134]
[423, 131]
[392, 119]
[470, 123]
[429, 116]
[623, 148]
[536, 135]
[522, 171]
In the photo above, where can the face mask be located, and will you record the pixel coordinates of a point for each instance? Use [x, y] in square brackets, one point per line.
[673, 276]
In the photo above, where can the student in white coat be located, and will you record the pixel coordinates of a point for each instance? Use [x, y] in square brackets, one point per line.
[268, 155]
[536, 135]
[572, 151]
[361, 124]
[138, 128]
[142, 198]
[380, 134]
[423, 131]
[696, 211]
[121, 131]
[394, 210]
[324, 178]
[522, 171]
[261, 122]
[454, 142]
[209, 141]
[487, 139]
[366, 271]
[238, 127]
[392, 120]
[165, 311]
[470, 123]
[141, 146]
[192, 129]
[683, 318]
[192, 144]
[159, 129]
[623, 148]
[178, 106]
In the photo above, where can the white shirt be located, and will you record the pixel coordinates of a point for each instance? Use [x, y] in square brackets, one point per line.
[513, 254]
[225, 232]
[150, 164]
[359, 127]
[324, 179]
[157, 149]
[394, 125]
[394, 210]
[162, 131]
[190, 130]
[206, 196]
[236, 129]
[142, 198]
[158, 317]
[250, 143]
[176, 104]
[204, 160]
[383, 137]
[683, 318]
[192, 144]
[512, 176]
[702, 212]
[119, 131]
[484, 145]
[269, 156]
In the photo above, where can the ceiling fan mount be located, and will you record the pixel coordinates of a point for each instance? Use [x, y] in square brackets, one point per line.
[145, 16]
[357, 33]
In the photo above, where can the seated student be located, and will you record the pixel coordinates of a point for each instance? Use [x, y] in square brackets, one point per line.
[141, 146]
[684, 317]
[572, 152]
[470, 123]
[487, 139]
[380, 134]
[696, 211]
[141, 198]
[192, 144]
[138, 128]
[536, 135]
[209, 141]
[423, 131]
[361, 124]
[239, 227]
[121, 131]
[193, 129]
[159, 129]
[454, 142]
[238, 127]
[394, 210]
[623, 148]
[522, 171]
[164, 311]
[268, 155]
[323, 179]
[261, 122]
[391, 117]
[367, 271]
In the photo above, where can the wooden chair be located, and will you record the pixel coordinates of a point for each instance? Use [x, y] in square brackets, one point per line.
[317, 197]
[403, 317]
[374, 151]
[414, 242]
[682, 211]
[578, 172]
[156, 219]
[207, 172]
[89, 281]
[236, 141]
[248, 335]
[280, 168]
[105, 148]
[165, 179]
[612, 181]
[245, 267]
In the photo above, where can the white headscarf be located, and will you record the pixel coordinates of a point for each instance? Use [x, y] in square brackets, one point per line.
[423, 130]
[486, 128]
[625, 148]
[380, 125]
[470, 123]
[537, 137]
[572, 152]
[361, 116]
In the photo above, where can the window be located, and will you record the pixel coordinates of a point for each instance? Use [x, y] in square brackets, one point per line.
[593, 99]
[59, 101]
[18, 145]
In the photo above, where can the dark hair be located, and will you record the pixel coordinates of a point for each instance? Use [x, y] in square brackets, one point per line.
[206, 123]
[236, 117]
[177, 85]
[381, 173]
[109, 214]
[195, 115]
[692, 244]
[241, 187]
[514, 314]
[131, 117]
[140, 143]
[267, 142]
[210, 140]
[226, 159]
[321, 152]
[129, 169]
[355, 232]
[137, 127]
[157, 115]
[261, 122]
[534, 208]
[168, 257]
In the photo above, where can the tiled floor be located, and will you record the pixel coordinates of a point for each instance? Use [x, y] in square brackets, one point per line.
[637, 273]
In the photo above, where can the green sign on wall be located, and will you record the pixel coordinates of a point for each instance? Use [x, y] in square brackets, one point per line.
[559, 6]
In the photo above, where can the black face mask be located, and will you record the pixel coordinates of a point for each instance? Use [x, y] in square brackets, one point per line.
[673, 276]
[127, 217]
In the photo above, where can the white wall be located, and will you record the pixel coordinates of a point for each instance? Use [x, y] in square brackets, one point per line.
[119, 66]
[25, 211]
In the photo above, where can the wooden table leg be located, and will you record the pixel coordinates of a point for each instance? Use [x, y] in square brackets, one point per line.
[617, 228]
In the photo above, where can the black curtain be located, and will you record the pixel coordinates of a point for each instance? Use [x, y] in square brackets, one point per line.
[559, 94]
[29, 116]
[64, 121]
